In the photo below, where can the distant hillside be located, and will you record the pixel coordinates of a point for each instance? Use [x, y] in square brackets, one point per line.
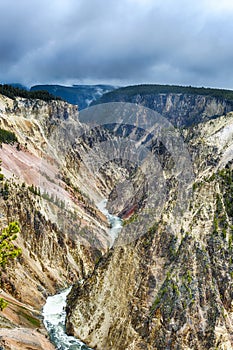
[182, 105]
[81, 95]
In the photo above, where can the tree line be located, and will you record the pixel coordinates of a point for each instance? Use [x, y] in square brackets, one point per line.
[13, 92]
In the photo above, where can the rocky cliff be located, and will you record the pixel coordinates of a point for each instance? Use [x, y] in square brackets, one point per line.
[171, 288]
[62, 233]
[183, 106]
[44, 195]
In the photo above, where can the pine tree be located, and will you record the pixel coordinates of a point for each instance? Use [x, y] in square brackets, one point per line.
[7, 248]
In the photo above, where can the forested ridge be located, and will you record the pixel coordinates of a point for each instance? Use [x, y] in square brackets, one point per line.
[13, 92]
[150, 89]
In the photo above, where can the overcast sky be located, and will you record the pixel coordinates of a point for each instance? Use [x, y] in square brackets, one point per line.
[188, 42]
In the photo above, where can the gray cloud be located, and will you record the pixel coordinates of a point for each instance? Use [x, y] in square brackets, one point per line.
[126, 41]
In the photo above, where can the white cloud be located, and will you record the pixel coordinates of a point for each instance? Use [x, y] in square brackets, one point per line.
[185, 42]
[218, 6]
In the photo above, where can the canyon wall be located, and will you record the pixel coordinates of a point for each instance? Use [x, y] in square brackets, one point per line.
[171, 288]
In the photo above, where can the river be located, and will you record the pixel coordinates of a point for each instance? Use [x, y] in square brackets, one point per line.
[54, 321]
[115, 221]
[54, 309]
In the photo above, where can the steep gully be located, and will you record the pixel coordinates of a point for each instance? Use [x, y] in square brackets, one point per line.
[54, 310]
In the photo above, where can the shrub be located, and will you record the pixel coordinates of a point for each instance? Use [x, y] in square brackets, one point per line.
[7, 137]
[3, 304]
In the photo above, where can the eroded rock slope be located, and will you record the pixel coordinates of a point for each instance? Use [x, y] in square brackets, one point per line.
[171, 287]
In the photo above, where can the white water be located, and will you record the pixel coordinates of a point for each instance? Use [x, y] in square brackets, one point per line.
[54, 321]
[115, 221]
[54, 310]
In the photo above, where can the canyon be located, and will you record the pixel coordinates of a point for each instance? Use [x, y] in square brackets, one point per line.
[166, 280]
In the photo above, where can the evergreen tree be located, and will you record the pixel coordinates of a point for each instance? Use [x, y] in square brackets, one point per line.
[8, 249]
